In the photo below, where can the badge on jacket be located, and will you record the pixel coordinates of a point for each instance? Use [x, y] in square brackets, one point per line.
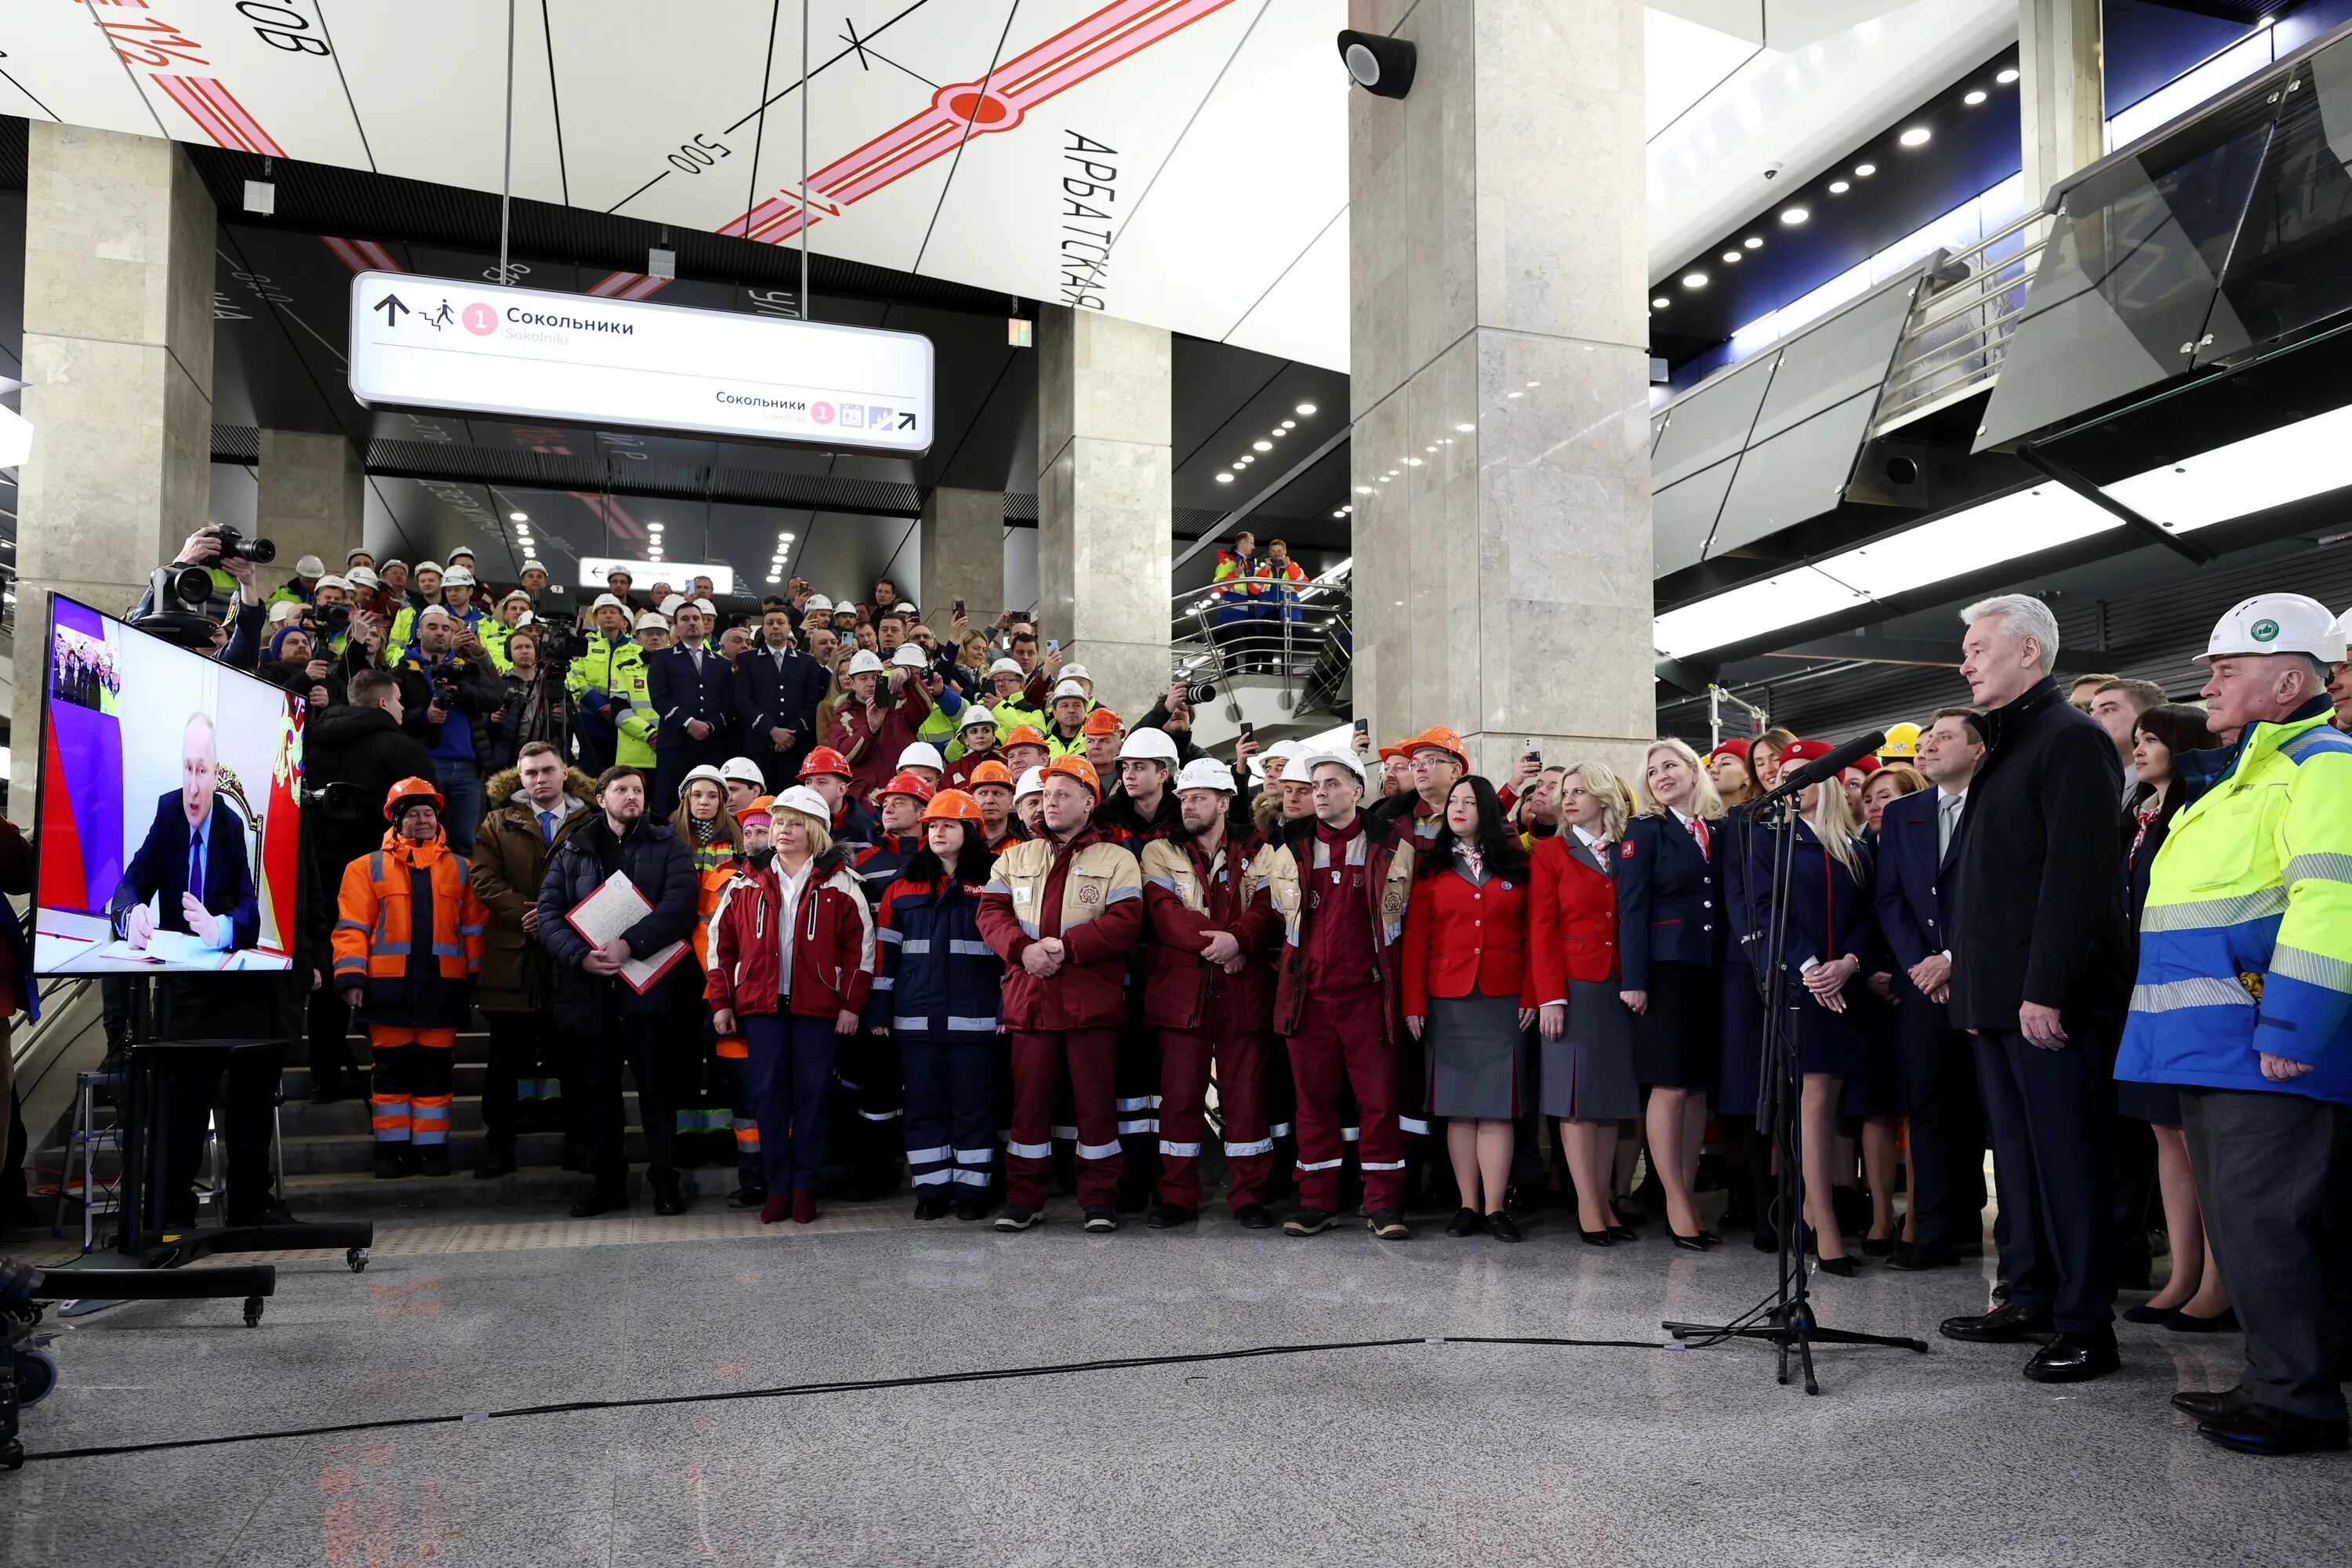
[1627, 852]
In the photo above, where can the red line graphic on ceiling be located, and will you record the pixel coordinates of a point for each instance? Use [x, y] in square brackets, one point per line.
[218, 114]
[1115, 33]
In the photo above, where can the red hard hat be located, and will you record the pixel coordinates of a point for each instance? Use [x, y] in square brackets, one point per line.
[904, 782]
[407, 792]
[825, 759]
[1078, 768]
[952, 805]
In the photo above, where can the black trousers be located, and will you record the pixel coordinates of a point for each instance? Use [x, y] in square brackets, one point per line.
[2054, 1163]
[1946, 1127]
[522, 1046]
[2275, 1174]
[636, 1044]
[247, 1103]
[330, 1048]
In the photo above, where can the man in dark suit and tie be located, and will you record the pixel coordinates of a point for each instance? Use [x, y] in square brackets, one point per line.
[691, 686]
[777, 690]
[194, 858]
[1918, 841]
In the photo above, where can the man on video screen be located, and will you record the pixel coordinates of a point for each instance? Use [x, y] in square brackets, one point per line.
[194, 858]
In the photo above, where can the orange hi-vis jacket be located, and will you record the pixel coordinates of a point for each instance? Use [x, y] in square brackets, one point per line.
[409, 930]
[715, 865]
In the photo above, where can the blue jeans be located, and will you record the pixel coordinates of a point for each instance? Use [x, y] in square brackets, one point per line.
[788, 1067]
[461, 798]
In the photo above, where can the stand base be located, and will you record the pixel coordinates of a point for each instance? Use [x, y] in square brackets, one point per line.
[1793, 1328]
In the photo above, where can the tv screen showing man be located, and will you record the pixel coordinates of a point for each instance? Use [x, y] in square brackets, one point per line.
[190, 876]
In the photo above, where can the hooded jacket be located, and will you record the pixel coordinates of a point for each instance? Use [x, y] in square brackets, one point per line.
[511, 858]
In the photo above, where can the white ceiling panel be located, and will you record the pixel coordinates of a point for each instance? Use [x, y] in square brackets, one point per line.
[59, 57]
[1779, 24]
[1304, 316]
[1682, 61]
[430, 80]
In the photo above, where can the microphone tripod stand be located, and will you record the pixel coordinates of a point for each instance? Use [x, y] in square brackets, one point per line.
[1785, 1319]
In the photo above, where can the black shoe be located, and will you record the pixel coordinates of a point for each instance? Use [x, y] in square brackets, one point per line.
[1306, 1222]
[596, 1204]
[2224, 1322]
[2073, 1358]
[2211, 1406]
[1387, 1224]
[494, 1166]
[1765, 1239]
[330, 1091]
[2144, 1314]
[1465, 1222]
[1841, 1267]
[262, 1211]
[1699, 1243]
[1168, 1216]
[1630, 1215]
[1622, 1232]
[668, 1198]
[1252, 1217]
[2007, 1325]
[1910, 1257]
[2000, 1290]
[389, 1165]
[433, 1160]
[2272, 1433]
[1592, 1237]
[931, 1206]
[1102, 1221]
[747, 1197]
[971, 1206]
[1502, 1228]
[1015, 1216]
[1882, 1247]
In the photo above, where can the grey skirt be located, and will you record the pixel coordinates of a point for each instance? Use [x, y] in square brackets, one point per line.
[1476, 1056]
[1587, 1072]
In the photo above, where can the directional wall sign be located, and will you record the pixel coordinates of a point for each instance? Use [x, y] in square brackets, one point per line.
[430, 343]
[597, 570]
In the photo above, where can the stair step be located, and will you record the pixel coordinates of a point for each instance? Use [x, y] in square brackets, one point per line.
[297, 1118]
[336, 1191]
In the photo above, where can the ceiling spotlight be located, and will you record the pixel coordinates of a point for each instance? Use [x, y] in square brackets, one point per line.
[653, 527]
[1305, 409]
[1341, 512]
[1863, 171]
[1381, 66]
[1732, 256]
[518, 517]
[2007, 76]
[785, 537]
[772, 578]
[1290, 424]
[1839, 187]
[1225, 479]
[1278, 433]
[1465, 429]
[1363, 490]
[1976, 97]
[1261, 445]
[1429, 448]
[1792, 216]
[1918, 136]
[1413, 462]
[1694, 279]
[1660, 303]
[1752, 242]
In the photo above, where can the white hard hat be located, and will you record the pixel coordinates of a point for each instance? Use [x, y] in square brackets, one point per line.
[444, 611]
[2343, 629]
[286, 610]
[355, 555]
[1149, 745]
[652, 618]
[1004, 666]
[1201, 773]
[465, 550]
[865, 661]
[1287, 750]
[429, 566]
[331, 581]
[742, 770]
[922, 754]
[806, 801]
[1076, 672]
[2277, 622]
[514, 594]
[395, 561]
[908, 656]
[1069, 688]
[974, 714]
[705, 771]
[604, 599]
[457, 577]
[1032, 781]
[1348, 760]
[309, 566]
[817, 602]
[362, 578]
[672, 605]
[706, 607]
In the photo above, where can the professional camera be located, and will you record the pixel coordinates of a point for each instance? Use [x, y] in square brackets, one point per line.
[182, 597]
[1199, 691]
[237, 546]
[335, 803]
[561, 641]
[333, 619]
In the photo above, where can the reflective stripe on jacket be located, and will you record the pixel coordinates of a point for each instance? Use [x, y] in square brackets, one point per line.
[377, 927]
[2246, 941]
[1099, 917]
[1388, 885]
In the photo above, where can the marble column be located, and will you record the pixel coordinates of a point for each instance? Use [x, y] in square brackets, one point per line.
[312, 501]
[1500, 380]
[962, 555]
[119, 240]
[1103, 517]
[2061, 90]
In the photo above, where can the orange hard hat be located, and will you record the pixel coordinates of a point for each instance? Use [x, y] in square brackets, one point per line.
[1024, 735]
[407, 792]
[994, 772]
[908, 783]
[1078, 768]
[825, 759]
[1101, 721]
[1439, 738]
[952, 805]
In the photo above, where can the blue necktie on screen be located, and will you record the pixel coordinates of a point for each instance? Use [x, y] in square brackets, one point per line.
[196, 864]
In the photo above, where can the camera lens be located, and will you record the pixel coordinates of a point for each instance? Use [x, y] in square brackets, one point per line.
[1199, 691]
[193, 586]
[260, 552]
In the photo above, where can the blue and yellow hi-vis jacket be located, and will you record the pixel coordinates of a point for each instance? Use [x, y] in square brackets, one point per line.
[2245, 946]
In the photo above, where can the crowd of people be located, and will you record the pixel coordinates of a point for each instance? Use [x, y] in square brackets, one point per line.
[914, 909]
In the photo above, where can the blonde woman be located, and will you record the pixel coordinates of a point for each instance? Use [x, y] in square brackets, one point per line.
[1670, 906]
[1829, 925]
[1727, 768]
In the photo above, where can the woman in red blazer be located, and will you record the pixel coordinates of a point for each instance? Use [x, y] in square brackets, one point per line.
[1466, 995]
[1588, 1076]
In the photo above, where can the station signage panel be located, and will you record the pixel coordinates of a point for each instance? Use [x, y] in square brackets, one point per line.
[527, 353]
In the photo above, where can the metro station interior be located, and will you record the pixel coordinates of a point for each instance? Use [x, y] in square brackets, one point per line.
[1611, 371]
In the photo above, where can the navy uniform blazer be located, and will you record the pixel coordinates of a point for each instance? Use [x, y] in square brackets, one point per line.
[677, 696]
[768, 695]
[1669, 897]
[1911, 879]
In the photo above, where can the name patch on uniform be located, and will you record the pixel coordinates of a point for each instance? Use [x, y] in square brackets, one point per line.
[1020, 895]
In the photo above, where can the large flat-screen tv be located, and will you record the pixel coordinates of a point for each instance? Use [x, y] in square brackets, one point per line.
[168, 810]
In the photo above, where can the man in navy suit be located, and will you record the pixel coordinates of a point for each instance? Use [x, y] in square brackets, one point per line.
[1918, 839]
[195, 857]
[777, 690]
[691, 686]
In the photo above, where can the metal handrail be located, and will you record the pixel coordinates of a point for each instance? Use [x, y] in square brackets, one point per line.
[1300, 637]
[1931, 368]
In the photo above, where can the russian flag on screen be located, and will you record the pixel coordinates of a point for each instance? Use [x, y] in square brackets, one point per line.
[81, 792]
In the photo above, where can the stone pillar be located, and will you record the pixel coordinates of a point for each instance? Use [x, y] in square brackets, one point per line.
[962, 556]
[1102, 516]
[119, 240]
[2061, 90]
[1500, 380]
[312, 501]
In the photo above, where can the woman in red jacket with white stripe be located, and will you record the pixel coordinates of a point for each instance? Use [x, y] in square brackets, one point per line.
[1468, 996]
[792, 962]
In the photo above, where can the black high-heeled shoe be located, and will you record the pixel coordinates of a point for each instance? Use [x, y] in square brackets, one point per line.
[1594, 1238]
[2183, 1323]
[1879, 1245]
[1702, 1242]
[2144, 1314]
[1622, 1232]
[1841, 1267]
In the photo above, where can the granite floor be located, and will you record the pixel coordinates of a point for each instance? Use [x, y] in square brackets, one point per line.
[1423, 1452]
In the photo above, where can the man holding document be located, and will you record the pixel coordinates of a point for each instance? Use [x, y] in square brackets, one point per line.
[614, 913]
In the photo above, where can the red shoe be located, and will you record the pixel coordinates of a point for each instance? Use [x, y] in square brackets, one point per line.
[804, 1205]
[774, 1209]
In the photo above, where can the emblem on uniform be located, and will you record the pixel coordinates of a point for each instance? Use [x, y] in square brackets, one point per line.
[1335, 879]
[1627, 852]
[1089, 893]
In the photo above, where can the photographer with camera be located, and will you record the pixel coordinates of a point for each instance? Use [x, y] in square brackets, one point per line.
[450, 692]
[213, 576]
[537, 707]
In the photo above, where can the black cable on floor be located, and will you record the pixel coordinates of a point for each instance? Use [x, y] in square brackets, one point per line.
[800, 1390]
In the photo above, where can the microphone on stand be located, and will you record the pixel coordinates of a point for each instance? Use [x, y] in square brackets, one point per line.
[1825, 768]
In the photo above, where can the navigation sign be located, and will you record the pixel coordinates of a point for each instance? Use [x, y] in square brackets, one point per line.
[578, 359]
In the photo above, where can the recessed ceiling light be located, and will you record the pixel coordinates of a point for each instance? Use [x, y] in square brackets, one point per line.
[1976, 97]
[1792, 216]
[1341, 512]
[518, 517]
[774, 578]
[1839, 187]
[2007, 76]
[1278, 433]
[1752, 242]
[1863, 171]
[653, 527]
[785, 537]
[1465, 429]
[1732, 256]
[1660, 303]
[1694, 279]
[1261, 445]
[1918, 136]
[1535, 384]
[1290, 424]
[1413, 462]
[1305, 409]
[1511, 394]
[1363, 490]
[1432, 447]
[1225, 479]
